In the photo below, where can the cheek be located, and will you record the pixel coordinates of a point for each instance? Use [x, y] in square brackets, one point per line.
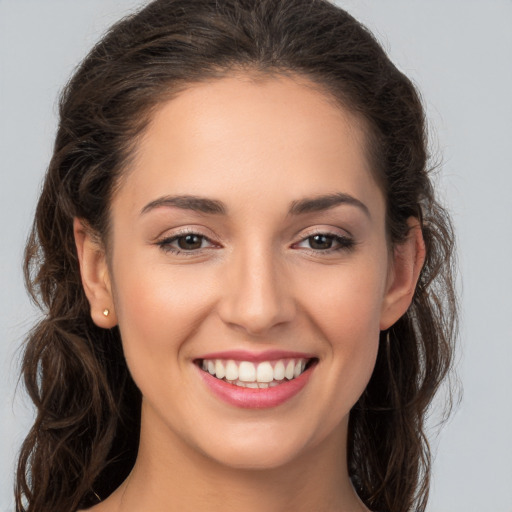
[351, 326]
[158, 309]
[346, 301]
[346, 314]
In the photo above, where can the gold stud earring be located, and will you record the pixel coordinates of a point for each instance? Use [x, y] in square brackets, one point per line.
[106, 312]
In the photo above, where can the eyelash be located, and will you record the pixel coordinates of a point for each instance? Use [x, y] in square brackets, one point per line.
[345, 243]
[165, 243]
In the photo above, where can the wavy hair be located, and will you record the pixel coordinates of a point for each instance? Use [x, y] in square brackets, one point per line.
[84, 440]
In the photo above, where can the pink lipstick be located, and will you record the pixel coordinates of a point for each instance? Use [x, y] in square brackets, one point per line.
[256, 380]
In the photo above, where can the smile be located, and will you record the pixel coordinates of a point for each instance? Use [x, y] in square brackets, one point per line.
[250, 381]
[246, 374]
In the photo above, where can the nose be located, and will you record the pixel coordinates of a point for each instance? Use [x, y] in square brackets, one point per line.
[257, 295]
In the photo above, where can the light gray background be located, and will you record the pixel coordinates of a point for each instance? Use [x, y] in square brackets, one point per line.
[459, 52]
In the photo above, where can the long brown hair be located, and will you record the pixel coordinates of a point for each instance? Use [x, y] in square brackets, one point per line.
[85, 436]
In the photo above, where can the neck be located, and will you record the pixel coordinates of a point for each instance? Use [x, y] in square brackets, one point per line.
[172, 476]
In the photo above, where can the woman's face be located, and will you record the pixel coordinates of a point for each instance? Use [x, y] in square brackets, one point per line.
[248, 239]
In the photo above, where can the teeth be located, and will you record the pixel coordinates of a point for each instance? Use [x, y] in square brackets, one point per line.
[220, 371]
[248, 374]
[290, 367]
[254, 385]
[265, 372]
[279, 370]
[298, 369]
[231, 370]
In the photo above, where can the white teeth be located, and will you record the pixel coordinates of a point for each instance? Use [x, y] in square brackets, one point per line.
[297, 370]
[219, 369]
[290, 367]
[231, 371]
[279, 371]
[248, 374]
[265, 372]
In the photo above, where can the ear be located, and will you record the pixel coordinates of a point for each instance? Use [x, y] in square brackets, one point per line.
[95, 275]
[408, 260]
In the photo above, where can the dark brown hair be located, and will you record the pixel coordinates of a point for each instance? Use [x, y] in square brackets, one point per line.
[85, 436]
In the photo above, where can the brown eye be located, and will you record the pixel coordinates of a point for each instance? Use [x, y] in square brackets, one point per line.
[326, 243]
[190, 242]
[320, 242]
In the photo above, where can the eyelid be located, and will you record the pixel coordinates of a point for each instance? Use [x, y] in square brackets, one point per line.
[165, 241]
[344, 240]
[187, 229]
[324, 230]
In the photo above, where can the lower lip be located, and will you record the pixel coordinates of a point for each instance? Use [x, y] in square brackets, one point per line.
[252, 398]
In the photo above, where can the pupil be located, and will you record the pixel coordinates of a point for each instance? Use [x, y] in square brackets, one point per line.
[189, 242]
[320, 242]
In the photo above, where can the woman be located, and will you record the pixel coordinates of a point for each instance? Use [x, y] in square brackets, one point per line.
[245, 272]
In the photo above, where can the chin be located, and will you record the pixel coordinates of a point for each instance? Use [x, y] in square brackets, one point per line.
[262, 447]
[255, 457]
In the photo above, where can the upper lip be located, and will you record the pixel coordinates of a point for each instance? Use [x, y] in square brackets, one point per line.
[256, 357]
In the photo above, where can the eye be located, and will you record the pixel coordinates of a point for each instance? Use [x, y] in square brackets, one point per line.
[326, 242]
[185, 242]
[320, 242]
[190, 242]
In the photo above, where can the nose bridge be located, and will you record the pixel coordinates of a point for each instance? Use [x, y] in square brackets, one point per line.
[256, 297]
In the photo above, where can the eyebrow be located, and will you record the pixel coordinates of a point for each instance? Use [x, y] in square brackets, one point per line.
[326, 202]
[213, 206]
[195, 203]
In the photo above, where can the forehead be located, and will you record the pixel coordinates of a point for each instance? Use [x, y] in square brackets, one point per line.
[276, 136]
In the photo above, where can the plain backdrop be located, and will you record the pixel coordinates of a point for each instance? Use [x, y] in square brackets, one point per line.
[459, 53]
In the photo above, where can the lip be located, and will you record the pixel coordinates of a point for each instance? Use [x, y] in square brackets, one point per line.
[249, 398]
[257, 357]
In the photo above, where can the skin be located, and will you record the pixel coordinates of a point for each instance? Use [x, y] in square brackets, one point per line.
[257, 283]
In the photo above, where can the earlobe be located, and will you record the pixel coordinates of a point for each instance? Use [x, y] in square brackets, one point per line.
[408, 260]
[95, 275]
